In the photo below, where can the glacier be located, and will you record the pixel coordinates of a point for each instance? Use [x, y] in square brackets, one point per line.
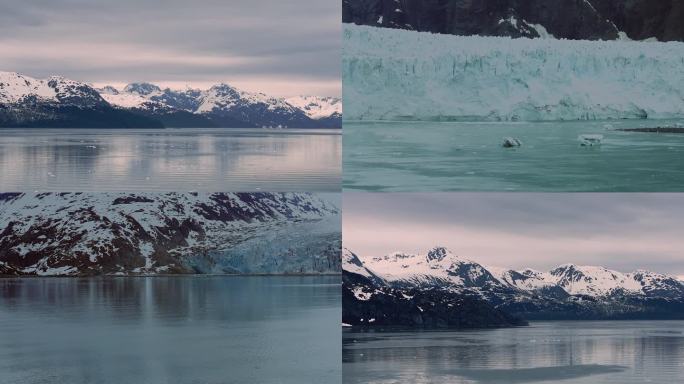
[84, 234]
[391, 74]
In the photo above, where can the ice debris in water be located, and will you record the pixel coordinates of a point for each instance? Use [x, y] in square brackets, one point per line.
[589, 140]
[510, 142]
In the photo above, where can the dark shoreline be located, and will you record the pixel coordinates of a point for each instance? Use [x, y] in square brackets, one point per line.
[173, 275]
[653, 130]
[399, 328]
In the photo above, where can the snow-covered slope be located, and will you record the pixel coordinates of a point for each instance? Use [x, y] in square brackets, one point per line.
[353, 264]
[592, 280]
[83, 234]
[317, 107]
[397, 74]
[123, 99]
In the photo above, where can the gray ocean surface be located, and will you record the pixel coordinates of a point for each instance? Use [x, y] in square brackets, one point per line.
[177, 160]
[460, 156]
[570, 352]
[167, 330]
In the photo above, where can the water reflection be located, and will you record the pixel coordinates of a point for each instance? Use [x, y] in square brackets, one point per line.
[170, 160]
[575, 352]
[170, 330]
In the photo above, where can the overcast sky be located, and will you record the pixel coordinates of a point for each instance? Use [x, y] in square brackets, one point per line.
[618, 231]
[279, 47]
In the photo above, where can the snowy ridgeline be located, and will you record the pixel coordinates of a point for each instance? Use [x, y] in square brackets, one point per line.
[441, 267]
[102, 233]
[391, 74]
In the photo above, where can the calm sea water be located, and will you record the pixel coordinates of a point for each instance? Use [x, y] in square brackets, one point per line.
[410, 156]
[210, 160]
[623, 352]
[170, 330]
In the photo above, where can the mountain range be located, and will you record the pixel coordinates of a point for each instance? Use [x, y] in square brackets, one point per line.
[61, 102]
[568, 19]
[441, 289]
[82, 234]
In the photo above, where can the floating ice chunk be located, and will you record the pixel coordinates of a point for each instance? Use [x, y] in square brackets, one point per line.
[511, 142]
[590, 140]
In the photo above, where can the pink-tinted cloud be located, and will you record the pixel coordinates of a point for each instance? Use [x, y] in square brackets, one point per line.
[623, 231]
[280, 48]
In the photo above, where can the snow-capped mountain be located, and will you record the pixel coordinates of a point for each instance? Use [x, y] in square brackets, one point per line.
[257, 109]
[60, 102]
[391, 74]
[567, 291]
[368, 299]
[130, 99]
[102, 233]
[57, 101]
[442, 267]
[438, 266]
[568, 19]
[18, 89]
[229, 106]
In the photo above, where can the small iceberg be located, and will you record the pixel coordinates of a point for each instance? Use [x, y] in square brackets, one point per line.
[511, 142]
[590, 140]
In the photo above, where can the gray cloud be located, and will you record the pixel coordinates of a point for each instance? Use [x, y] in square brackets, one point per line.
[619, 231]
[201, 41]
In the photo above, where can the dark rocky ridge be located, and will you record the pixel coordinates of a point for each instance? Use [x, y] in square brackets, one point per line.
[570, 19]
[414, 307]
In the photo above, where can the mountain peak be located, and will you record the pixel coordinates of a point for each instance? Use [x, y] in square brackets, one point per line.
[224, 87]
[108, 90]
[437, 253]
[142, 89]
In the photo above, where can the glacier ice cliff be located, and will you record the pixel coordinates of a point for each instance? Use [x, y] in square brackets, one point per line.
[391, 74]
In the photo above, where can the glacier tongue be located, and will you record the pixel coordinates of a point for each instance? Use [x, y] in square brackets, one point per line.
[391, 74]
